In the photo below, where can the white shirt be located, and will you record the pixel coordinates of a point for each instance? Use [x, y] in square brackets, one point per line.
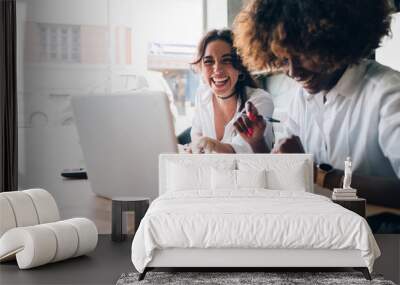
[360, 119]
[203, 120]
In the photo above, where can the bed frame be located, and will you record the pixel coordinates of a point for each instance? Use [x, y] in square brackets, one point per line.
[246, 258]
[243, 259]
[233, 257]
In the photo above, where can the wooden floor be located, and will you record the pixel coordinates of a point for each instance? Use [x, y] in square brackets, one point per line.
[75, 199]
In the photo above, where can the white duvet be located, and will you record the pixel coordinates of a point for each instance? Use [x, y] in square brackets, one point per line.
[250, 219]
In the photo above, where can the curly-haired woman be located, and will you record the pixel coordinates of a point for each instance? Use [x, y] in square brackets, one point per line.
[230, 85]
[346, 105]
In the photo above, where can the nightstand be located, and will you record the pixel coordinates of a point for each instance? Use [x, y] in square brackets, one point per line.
[122, 204]
[356, 205]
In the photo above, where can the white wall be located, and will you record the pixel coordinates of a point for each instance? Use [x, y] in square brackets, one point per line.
[85, 12]
[165, 21]
[217, 14]
[389, 53]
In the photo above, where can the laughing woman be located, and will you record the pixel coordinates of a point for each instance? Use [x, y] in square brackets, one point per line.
[230, 86]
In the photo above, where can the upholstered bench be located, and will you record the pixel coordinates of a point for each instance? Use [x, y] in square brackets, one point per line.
[31, 231]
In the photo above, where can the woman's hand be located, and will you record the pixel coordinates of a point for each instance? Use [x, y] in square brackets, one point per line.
[251, 127]
[205, 145]
[187, 148]
[291, 144]
[209, 145]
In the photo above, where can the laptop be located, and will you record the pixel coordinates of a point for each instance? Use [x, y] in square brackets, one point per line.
[121, 138]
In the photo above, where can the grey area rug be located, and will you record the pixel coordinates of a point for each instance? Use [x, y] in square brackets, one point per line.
[269, 278]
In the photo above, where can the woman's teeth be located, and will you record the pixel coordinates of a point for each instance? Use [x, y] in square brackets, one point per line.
[220, 81]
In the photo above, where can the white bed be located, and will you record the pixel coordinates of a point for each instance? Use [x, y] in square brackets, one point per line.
[204, 219]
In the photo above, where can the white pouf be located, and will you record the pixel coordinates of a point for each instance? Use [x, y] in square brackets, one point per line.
[31, 233]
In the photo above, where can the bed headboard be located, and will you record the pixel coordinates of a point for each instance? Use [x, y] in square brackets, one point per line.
[240, 161]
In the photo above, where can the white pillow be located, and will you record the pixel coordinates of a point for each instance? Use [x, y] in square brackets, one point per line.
[251, 178]
[291, 179]
[182, 177]
[281, 174]
[223, 179]
[194, 174]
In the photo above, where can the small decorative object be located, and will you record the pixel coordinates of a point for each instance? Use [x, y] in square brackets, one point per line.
[347, 192]
[347, 174]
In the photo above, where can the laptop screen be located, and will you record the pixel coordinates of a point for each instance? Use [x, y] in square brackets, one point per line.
[121, 138]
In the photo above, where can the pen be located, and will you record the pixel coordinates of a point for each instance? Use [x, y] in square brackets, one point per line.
[268, 119]
[271, 120]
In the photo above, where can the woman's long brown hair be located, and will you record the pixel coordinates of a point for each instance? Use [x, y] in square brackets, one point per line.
[245, 79]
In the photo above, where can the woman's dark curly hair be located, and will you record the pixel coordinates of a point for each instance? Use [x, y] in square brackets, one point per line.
[245, 78]
[330, 33]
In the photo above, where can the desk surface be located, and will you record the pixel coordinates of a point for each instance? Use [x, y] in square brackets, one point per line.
[374, 209]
